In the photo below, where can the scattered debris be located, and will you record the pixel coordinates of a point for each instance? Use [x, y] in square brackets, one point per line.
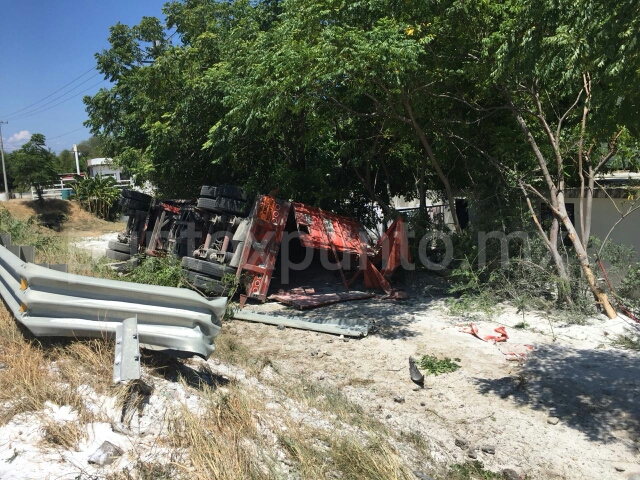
[517, 353]
[490, 449]
[510, 474]
[3, 366]
[416, 376]
[106, 454]
[119, 427]
[354, 331]
[398, 399]
[472, 453]
[303, 301]
[462, 443]
[473, 330]
[422, 476]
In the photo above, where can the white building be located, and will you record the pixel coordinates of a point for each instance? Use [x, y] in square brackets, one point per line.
[615, 199]
[106, 168]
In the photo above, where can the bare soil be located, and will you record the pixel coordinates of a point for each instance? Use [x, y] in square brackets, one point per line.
[74, 221]
[573, 375]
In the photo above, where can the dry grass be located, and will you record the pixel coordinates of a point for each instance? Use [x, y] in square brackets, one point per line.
[86, 362]
[321, 454]
[66, 435]
[222, 441]
[373, 459]
[230, 435]
[28, 381]
[331, 400]
[37, 374]
[76, 222]
[231, 350]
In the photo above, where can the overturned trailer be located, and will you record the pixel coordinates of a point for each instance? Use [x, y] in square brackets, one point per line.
[224, 236]
[246, 242]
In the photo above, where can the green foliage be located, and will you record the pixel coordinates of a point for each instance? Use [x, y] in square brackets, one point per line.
[98, 195]
[66, 162]
[87, 149]
[167, 271]
[435, 366]
[630, 341]
[474, 304]
[25, 232]
[164, 271]
[33, 165]
[472, 471]
[348, 104]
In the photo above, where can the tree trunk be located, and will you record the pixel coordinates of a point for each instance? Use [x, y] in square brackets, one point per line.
[436, 166]
[600, 296]
[421, 189]
[565, 289]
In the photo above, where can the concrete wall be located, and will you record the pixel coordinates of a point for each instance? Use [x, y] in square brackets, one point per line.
[605, 215]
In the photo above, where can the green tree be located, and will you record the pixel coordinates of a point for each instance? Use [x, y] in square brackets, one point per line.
[33, 165]
[88, 149]
[99, 195]
[66, 162]
[563, 72]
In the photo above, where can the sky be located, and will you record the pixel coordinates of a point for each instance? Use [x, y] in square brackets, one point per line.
[45, 45]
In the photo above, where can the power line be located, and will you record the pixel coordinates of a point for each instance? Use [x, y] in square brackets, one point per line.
[72, 131]
[22, 115]
[59, 103]
[51, 94]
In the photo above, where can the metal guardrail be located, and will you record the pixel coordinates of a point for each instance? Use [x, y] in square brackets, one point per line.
[333, 328]
[53, 303]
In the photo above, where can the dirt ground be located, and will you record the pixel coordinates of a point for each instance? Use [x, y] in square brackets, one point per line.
[74, 222]
[570, 411]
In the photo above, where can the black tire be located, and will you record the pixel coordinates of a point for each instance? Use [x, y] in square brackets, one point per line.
[137, 212]
[208, 192]
[211, 269]
[228, 191]
[112, 254]
[132, 204]
[137, 196]
[123, 247]
[206, 284]
[231, 191]
[225, 205]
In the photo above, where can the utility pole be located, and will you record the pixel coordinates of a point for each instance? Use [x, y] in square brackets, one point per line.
[4, 170]
[75, 149]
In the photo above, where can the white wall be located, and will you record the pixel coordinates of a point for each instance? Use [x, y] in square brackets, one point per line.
[105, 171]
[605, 215]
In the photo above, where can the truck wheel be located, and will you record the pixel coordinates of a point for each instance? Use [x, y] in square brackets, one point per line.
[208, 191]
[207, 284]
[123, 247]
[211, 269]
[138, 196]
[131, 204]
[112, 254]
[225, 205]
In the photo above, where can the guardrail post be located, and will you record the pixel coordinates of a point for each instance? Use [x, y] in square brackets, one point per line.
[126, 365]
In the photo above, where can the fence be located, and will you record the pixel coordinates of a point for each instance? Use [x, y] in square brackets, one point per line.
[56, 190]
